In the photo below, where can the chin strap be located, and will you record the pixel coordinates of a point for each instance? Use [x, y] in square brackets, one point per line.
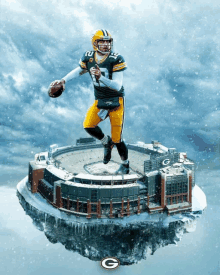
[103, 52]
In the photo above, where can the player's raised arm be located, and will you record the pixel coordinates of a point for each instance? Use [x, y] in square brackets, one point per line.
[57, 87]
[73, 74]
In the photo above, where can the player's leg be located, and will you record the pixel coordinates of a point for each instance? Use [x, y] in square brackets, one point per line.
[92, 120]
[90, 123]
[117, 119]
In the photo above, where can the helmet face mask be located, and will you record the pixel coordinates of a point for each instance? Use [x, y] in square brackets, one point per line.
[99, 40]
[104, 46]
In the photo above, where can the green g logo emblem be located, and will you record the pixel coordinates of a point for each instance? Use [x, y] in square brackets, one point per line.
[110, 263]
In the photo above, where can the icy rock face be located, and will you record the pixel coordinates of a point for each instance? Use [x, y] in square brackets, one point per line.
[130, 243]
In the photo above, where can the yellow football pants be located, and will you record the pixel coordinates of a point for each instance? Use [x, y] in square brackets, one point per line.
[116, 117]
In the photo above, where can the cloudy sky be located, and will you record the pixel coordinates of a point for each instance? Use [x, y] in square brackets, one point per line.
[172, 48]
[171, 85]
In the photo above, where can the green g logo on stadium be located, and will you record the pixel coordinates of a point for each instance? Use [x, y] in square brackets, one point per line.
[110, 263]
[165, 162]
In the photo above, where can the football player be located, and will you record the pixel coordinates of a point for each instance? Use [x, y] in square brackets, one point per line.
[106, 70]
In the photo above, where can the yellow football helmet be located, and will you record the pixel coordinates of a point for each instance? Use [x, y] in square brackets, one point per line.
[102, 35]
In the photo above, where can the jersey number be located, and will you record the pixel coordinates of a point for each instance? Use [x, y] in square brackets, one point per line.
[97, 83]
[114, 55]
[89, 53]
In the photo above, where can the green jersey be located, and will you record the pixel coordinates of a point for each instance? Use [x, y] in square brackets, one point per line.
[108, 64]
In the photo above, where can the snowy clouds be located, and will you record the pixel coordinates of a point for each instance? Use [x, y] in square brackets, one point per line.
[171, 85]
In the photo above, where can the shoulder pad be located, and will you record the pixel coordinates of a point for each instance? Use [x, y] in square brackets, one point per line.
[87, 55]
[85, 58]
[114, 56]
[118, 61]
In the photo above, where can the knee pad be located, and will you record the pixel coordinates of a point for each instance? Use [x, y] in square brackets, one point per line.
[95, 132]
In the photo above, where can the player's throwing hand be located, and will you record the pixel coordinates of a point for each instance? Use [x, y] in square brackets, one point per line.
[56, 88]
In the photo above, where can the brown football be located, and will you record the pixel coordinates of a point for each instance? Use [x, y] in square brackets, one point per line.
[55, 89]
